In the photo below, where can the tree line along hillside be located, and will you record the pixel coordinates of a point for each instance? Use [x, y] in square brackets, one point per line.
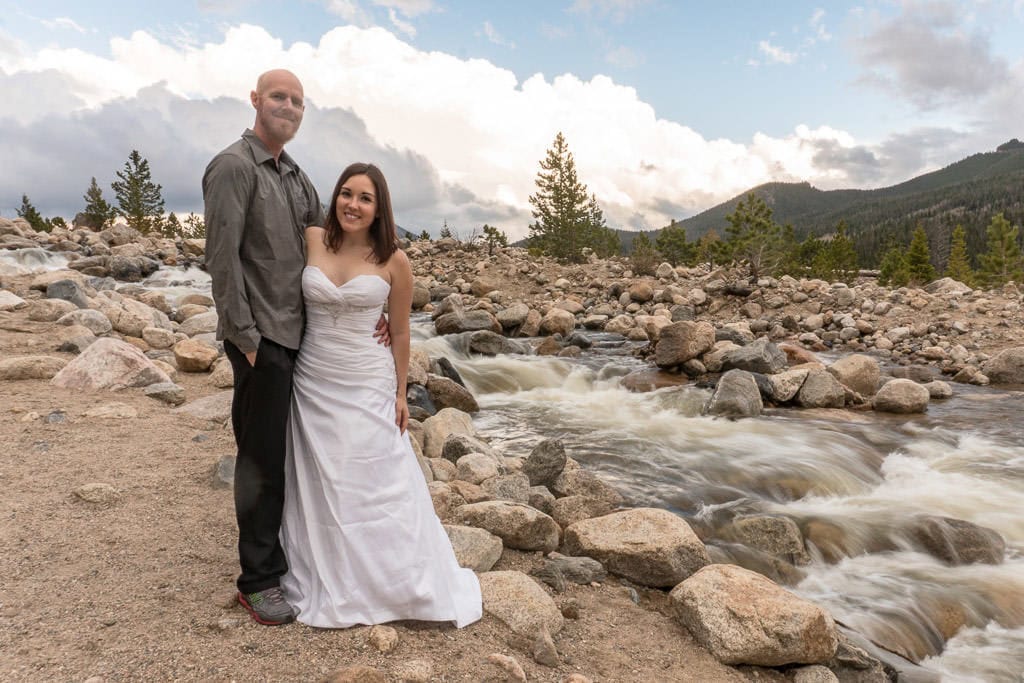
[968, 193]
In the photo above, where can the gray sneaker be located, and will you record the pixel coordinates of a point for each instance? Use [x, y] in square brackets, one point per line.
[267, 606]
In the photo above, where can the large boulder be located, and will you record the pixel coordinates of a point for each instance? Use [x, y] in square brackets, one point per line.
[96, 322]
[447, 393]
[786, 384]
[30, 367]
[109, 364]
[648, 546]
[437, 428]
[519, 526]
[201, 323]
[858, 372]
[760, 356]
[902, 396]
[683, 341]
[558, 321]
[736, 395]
[545, 462]
[520, 603]
[475, 549]
[192, 355]
[743, 618]
[1006, 367]
[821, 390]
[466, 321]
[957, 541]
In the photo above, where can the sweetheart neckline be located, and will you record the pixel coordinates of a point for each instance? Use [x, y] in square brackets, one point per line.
[348, 281]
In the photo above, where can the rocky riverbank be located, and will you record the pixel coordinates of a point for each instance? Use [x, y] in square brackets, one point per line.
[106, 485]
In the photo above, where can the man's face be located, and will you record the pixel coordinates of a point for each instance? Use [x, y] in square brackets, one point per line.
[279, 106]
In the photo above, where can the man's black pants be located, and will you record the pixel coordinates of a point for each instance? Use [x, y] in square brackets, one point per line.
[259, 415]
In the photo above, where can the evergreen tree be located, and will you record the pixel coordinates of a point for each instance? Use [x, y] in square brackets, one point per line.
[171, 227]
[644, 259]
[807, 255]
[98, 212]
[919, 260]
[566, 219]
[425, 236]
[892, 271]
[1002, 260]
[494, 237]
[672, 244]
[836, 259]
[138, 197]
[34, 218]
[711, 249]
[446, 232]
[754, 238]
[959, 266]
[194, 227]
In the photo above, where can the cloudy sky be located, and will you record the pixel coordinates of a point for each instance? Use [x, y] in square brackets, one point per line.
[668, 107]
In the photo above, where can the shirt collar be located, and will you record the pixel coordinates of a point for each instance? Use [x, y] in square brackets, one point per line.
[261, 154]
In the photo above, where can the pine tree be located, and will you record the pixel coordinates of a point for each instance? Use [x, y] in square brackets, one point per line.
[194, 227]
[919, 260]
[892, 271]
[836, 259]
[494, 237]
[1002, 259]
[425, 236]
[566, 219]
[138, 197]
[711, 249]
[959, 266]
[171, 227]
[672, 244]
[98, 212]
[446, 232]
[34, 218]
[754, 237]
[644, 259]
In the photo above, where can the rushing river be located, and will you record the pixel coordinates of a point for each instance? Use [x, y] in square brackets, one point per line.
[863, 477]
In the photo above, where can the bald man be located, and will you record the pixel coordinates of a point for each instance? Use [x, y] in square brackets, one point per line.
[258, 205]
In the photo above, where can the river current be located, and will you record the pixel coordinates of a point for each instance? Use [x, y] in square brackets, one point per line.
[864, 477]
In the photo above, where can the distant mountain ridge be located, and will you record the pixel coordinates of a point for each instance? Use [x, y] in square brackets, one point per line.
[967, 192]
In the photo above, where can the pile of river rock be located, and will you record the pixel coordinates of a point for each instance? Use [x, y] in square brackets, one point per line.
[755, 341]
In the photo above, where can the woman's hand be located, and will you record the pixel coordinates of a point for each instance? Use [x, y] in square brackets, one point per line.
[401, 413]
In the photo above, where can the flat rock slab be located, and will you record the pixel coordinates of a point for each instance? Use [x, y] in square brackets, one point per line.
[215, 408]
[520, 603]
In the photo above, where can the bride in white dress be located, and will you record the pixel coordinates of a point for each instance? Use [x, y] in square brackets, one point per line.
[363, 543]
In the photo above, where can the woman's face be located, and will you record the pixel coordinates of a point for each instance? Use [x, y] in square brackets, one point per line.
[357, 204]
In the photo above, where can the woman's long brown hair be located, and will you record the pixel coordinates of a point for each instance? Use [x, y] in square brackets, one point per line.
[382, 230]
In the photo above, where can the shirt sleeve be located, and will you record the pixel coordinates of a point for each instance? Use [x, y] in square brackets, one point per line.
[227, 185]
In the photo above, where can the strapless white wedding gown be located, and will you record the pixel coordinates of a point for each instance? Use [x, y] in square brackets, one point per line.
[363, 543]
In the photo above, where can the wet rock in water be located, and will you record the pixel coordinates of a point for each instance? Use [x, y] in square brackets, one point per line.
[778, 570]
[736, 395]
[648, 546]
[902, 396]
[557, 321]
[224, 472]
[579, 482]
[491, 344]
[858, 372]
[448, 394]
[443, 367]
[466, 321]
[786, 384]
[514, 487]
[519, 526]
[109, 364]
[168, 392]
[957, 541]
[777, 535]
[858, 659]
[549, 346]
[682, 341]
[545, 462]
[458, 445]
[759, 356]
[513, 316]
[939, 390]
[743, 618]
[99, 493]
[1006, 367]
[475, 549]
[30, 367]
[821, 390]
[420, 405]
[510, 670]
[520, 603]
[580, 340]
